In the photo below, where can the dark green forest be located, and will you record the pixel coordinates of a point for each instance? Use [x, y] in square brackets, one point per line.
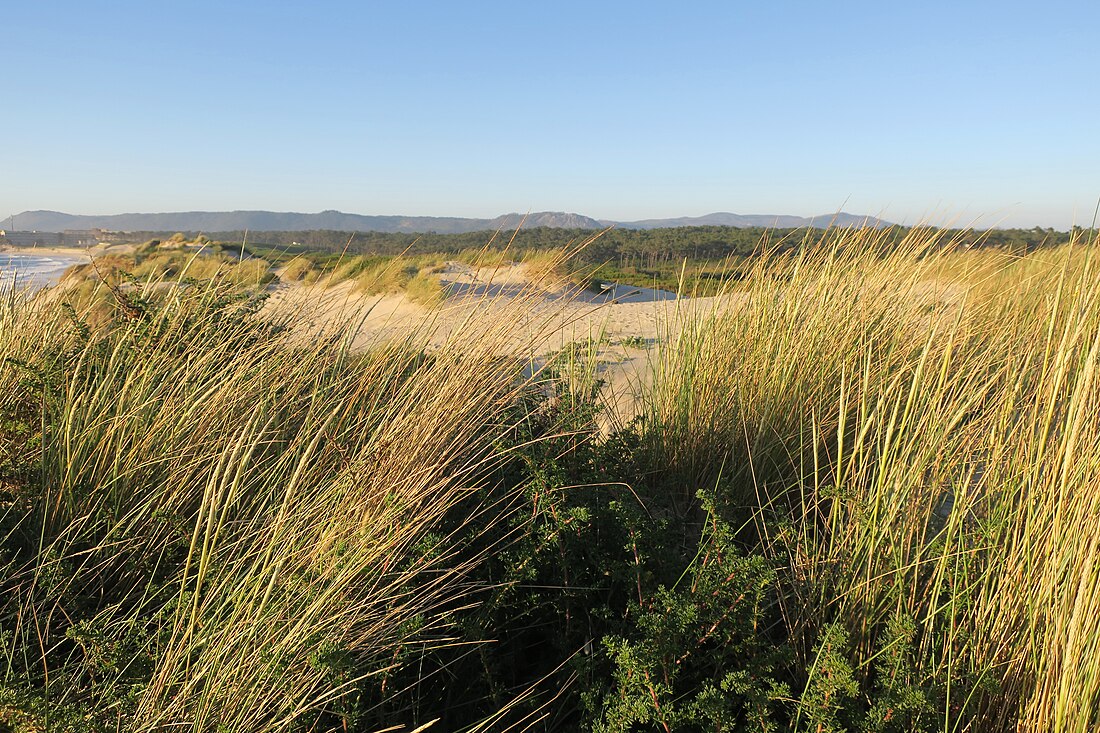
[624, 247]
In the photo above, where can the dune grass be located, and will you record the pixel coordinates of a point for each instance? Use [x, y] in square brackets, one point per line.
[862, 494]
[207, 523]
[915, 433]
[300, 269]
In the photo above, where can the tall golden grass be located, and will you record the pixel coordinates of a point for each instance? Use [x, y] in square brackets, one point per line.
[232, 507]
[917, 433]
[913, 432]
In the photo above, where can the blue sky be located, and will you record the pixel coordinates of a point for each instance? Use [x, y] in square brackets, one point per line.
[978, 112]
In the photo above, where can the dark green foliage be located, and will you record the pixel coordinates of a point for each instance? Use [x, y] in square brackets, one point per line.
[831, 687]
[900, 703]
[697, 656]
[629, 247]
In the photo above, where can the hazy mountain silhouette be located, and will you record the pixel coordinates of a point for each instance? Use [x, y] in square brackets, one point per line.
[777, 221]
[272, 221]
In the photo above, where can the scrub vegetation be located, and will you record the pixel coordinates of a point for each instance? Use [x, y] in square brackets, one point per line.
[861, 494]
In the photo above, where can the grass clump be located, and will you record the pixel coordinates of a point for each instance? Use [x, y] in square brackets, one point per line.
[301, 269]
[206, 524]
[177, 259]
[414, 278]
[906, 430]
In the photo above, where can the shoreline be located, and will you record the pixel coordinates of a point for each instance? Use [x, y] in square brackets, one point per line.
[47, 251]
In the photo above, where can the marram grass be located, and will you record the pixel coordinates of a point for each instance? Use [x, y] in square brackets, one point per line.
[201, 517]
[210, 524]
[917, 435]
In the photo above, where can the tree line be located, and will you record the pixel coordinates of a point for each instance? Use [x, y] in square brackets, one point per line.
[627, 247]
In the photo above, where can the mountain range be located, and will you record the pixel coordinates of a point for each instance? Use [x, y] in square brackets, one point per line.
[260, 221]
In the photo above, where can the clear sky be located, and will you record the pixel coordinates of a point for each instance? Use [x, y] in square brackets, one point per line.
[984, 112]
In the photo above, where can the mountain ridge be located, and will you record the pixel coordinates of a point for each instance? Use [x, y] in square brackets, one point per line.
[259, 220]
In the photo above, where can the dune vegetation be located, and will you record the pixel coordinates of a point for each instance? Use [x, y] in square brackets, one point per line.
[861, 493]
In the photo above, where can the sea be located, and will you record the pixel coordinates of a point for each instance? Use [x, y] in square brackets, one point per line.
[32, 271]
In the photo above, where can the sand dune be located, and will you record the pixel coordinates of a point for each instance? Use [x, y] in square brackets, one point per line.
[562, 314]
[620, 325]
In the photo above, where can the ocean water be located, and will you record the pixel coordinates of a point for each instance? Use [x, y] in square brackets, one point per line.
[30, 271]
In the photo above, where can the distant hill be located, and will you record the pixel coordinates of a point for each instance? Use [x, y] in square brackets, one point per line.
[553, 219]
[259, 221]
[272, 221]
[775, 221]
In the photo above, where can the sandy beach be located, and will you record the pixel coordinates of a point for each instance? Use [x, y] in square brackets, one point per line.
[82, 253]
[49, 251]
